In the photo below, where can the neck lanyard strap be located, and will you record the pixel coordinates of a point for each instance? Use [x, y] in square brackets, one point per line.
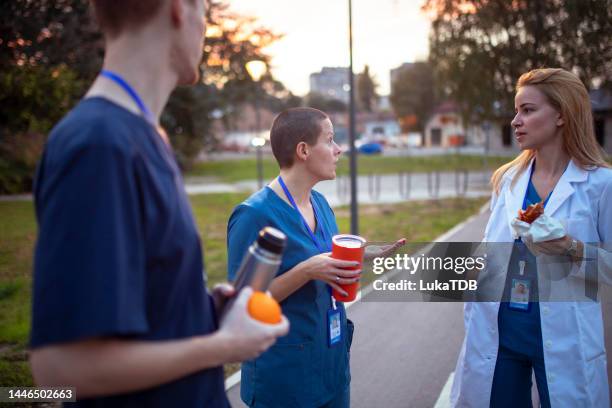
[310, 232]
[312, 235]
[116, 78]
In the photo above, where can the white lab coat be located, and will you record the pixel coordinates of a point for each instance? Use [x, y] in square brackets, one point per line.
[572, 331]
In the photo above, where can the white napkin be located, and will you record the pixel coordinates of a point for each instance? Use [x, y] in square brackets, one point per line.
[544, 228]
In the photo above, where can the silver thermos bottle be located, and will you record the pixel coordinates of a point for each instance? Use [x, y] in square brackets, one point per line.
[260, 263]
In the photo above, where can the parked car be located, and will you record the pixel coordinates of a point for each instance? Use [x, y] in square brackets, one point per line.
[370, 148]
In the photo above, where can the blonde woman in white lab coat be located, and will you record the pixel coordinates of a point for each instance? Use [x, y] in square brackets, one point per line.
[562, 343]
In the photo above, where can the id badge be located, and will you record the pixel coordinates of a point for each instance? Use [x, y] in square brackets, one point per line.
[334, 327]
[519, 294]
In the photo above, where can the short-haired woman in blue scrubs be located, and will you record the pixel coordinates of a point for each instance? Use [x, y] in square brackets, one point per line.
[308, 367]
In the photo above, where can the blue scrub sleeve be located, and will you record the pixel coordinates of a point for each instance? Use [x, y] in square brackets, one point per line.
[90, 256]
[242, 230]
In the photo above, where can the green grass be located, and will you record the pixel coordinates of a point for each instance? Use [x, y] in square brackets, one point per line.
[245, 169]
[416, 221]
[233, 170]
[212, 212]
[424, 164]
[18, 228]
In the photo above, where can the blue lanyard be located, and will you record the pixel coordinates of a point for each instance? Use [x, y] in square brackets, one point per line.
[312, 235]
[314, 209]
[131, 92]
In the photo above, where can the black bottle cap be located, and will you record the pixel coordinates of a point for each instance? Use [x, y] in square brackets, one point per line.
[272, 240]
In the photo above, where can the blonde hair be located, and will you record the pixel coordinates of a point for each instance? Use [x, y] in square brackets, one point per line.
[567, 94]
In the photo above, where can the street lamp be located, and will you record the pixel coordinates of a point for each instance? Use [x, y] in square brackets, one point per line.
[258, 143]
[353, 151]
[256, 69]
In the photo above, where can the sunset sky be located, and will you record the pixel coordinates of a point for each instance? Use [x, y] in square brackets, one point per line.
[386, 33]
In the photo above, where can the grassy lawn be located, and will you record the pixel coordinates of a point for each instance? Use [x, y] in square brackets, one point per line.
[244, 169]
[417, 221]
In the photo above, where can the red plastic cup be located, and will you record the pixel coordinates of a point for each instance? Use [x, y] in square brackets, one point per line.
[348, 248]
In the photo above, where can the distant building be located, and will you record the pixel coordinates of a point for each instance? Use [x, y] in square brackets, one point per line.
[601, 103]
[384, 104]
[331, 82]
[251, 118]
[381, 128]
[369, 126]
[248, 122]
[445, 128]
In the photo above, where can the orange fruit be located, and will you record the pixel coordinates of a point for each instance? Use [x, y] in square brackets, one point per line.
[264, 308]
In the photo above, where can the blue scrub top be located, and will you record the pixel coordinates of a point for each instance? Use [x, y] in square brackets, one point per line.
[521, 331]
[118, 252]
[300, 370]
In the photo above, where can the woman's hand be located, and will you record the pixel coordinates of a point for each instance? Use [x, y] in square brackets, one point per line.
[329, 270]
[375, 251]
[558, 246]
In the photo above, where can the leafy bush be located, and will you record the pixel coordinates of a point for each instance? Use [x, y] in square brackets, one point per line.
[19, 155]
[33, 99]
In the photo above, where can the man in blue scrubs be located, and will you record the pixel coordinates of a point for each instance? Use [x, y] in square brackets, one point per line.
[120, 307]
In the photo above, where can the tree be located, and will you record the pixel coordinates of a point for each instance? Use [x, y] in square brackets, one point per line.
[479, 48]
[366, 90]
[231, 41]
[34, 98]
[50, 50]
[412, 95]
[290, 101]
[46, 33]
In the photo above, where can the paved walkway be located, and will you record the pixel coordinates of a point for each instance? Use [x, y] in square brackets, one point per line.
[387, 188]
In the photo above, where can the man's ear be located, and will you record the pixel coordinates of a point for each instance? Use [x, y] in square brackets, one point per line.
[177, 12]
[302, 150]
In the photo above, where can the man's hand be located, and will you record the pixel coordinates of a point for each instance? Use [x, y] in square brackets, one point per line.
[221, 293]
[246, 337]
